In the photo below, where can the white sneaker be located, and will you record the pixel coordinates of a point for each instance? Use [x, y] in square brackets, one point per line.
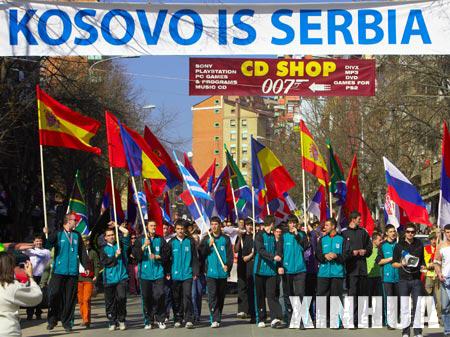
[189, 325]
[405, 335]
[112, 327]
[161, 325]
[276, 323]
[177, 325]
[419, 335]
[241, 315]
[214, 324]
[147, 326]
[122, 326]
[261, 325]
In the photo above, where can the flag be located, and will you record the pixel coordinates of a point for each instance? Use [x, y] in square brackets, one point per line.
[240, 189]
[167, 167]
[223, 200]
[61, 126]
[166, 216]
[190, 167]
[405, 195]
[206, 181]
[116, 153]
[131, 205]
[192, 184]
[107, 199]
[355, 201]
[264, 163]
[258, 182]
[78, 207]
[279, 208]
[391, 212]
[141, 161]
[312, 160]
[318, 205]
[198, 214]
[444, 200]
[337, 182]
[166, 205]
[153, 208]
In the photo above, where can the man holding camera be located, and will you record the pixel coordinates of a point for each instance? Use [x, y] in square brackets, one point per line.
[409, 259]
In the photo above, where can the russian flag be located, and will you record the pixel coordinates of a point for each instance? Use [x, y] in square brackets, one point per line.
[318, 205]
[405, 195]
[444, 200]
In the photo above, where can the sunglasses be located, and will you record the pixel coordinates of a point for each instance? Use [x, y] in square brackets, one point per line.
[410, 232]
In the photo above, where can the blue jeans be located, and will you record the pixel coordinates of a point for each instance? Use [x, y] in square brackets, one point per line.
[445, 303]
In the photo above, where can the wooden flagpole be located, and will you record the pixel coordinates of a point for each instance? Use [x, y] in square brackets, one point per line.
[234, 201]
[253, 212]
[133, 181]
[303, 182]
[44, 205]
[113, 195]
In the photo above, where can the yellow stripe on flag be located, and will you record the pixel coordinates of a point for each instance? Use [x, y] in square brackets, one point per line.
[149, 169]
[268, 161]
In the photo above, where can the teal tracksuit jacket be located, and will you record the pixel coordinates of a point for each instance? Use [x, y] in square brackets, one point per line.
[213, 266]
[115, 268]
[336, 267]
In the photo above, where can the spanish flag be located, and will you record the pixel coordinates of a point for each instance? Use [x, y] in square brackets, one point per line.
[312, 160]
[61, 126]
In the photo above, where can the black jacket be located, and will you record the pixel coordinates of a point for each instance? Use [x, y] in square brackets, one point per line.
[357, 238]
[416, 249]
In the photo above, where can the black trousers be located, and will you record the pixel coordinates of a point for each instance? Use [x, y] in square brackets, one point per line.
[116, 302]
[167, 297]
[153, 300]
[182, 301]
[243, 305]
[293, 285]
[330, 287]
[251, 294]
[62, 298]
[413, 288]
[216, 297]
[311, 291]
[357, 286]
[266, 287]
[37, 309]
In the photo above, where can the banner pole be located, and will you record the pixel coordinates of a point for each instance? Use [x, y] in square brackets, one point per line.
[140, 211]
[331, 203]
[234, 201]
[113, 195]
[253, 212]
[44, 205]
[303, 182]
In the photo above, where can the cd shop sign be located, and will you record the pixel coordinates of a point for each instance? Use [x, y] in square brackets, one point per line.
[294, 77]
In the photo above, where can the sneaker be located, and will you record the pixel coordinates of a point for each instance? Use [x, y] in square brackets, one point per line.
[241, 315]
[112, 327]
[214, 324]
[405, 335]
[68, 329]
[38, 317]
[161, 325]
[189, 325]
[122, 326]
[276, 324]
[177, 325]
[418, 335]
[29, 317]
[261, 325]
[147, 326]
[50, 326]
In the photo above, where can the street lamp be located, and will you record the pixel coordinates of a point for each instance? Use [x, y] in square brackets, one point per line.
[108, 59]
[149, 107]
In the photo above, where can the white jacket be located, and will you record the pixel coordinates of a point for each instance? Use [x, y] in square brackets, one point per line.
[12, 297]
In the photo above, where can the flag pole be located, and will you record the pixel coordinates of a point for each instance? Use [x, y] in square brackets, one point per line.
[267, 204]
[253, 212]
[234, 201]
[44, 206]
[331, 203]
[439, 209]
[140, 211]
[303, 181]
[73, 189]
[113, 195]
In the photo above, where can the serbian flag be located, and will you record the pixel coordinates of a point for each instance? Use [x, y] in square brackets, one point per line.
[141, 161]
[61, 126]
[167, 166]
[116, 153]
[318, 205]
[312, 160]
[355, 201]
[444, 200]
[405, 195]
[188, 165]
[207, 180]
[154, 210]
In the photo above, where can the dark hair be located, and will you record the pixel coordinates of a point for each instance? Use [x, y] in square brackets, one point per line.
[332, 221]
[388, 227]
[179, 222]
[376, 235]
[7, 264]
[268, 220]
[292, 218]
[447, 227]
[411, 225]
[215, 219]
[108, 230]
[38, 237]
[353, 215]
[248, 221]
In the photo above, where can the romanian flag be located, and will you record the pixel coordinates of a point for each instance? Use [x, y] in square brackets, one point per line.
[312, 160]
[63, 127]
[141, 160]
[276, 177]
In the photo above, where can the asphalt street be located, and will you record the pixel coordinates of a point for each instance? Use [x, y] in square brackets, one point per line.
[230, 327]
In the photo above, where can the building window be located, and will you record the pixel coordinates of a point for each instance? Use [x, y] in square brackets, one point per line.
[216, 151]
[244, 151]
[216, 138]
[216, 102]
[233, 136]
[216, 124]
[244, 165]
[244, 135]
[232, 122]
[233, 111]
[217, 164]
[216, 111]
[244, 122]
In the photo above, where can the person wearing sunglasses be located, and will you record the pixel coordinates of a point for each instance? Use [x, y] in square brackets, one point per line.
[409, 259]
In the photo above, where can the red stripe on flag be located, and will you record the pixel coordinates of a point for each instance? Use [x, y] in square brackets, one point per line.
[60, 139]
